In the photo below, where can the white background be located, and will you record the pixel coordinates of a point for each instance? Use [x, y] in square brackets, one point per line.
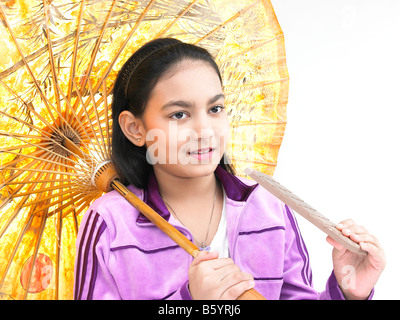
[341, 148]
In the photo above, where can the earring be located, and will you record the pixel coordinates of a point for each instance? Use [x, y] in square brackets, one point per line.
[138, 140]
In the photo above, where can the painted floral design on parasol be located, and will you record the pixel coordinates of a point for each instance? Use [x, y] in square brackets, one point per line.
[57, 68]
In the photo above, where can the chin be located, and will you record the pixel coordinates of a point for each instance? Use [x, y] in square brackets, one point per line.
[189, 170]
[198, 170]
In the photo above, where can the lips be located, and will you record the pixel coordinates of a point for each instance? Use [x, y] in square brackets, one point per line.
[201, 151]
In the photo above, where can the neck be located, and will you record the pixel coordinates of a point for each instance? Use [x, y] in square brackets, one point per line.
[177, 189]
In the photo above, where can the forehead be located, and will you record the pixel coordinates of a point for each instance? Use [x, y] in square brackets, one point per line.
[188, 77]
[186, 65]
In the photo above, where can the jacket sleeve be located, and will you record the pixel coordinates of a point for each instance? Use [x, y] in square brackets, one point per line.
[297, 277]
[93, 280]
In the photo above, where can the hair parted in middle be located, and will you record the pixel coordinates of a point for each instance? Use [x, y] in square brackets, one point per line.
[133, 86]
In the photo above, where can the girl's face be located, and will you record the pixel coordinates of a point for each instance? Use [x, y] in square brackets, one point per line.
[185, 121]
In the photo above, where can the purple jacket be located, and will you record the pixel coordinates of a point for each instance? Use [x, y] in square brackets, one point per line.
[122, 255]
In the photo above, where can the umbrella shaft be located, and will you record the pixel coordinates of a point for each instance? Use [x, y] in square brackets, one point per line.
[155, 218]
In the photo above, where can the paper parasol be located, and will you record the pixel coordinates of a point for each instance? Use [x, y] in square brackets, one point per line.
[58, 63]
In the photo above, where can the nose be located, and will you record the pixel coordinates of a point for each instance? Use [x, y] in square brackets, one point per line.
[203, 127]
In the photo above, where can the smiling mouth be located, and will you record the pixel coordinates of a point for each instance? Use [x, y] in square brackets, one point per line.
[201, 151]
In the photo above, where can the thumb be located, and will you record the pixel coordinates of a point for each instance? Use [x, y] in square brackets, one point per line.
[204, 256]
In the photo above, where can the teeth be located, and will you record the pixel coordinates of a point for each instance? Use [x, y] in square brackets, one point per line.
[202, 152]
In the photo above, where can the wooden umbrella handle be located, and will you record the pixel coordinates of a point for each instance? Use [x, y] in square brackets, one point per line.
[170, 230]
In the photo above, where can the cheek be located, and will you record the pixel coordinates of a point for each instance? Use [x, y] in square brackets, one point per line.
[156, 146]
[165, 144]
[223, 133]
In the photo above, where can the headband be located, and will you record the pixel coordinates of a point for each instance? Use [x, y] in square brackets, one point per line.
[135, 63]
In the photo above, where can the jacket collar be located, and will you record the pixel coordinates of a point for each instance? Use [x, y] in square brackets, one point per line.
[234, 188]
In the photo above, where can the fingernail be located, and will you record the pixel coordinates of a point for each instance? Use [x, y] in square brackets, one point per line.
[340, 226]
[252, 284]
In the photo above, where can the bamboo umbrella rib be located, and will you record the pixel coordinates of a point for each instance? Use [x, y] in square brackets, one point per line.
[11, 195]
[42, 95]
[75, 52]
[32, 156]
[21, 121]
[173, 22]
[58, 246]
[87, 115]
[18, 97]
[18, 135]
[249, 49]
[97, 46]
[47, 188]
[27, 224]
[106, 111]
[63, 40]
[45, 150]
[36, 145]
[20, 204]
[40, 163]
[35, 170]
[38, 240]
[257, 123]
[51, 55]
[72, 201]
[58, 254]
[253, 86]
[49, 197]
[80, 124]
[238, 14]
[255, 161]
[101, 143]
[79, 206]
[133, 30]
[21, 147]
[8, 183]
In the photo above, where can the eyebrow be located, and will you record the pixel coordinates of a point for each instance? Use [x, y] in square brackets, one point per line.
[185, 104]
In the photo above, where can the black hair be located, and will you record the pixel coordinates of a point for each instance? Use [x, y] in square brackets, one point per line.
[131, 92]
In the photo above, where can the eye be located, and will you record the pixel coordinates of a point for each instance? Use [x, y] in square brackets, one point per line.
[217, 109]
[178, 115]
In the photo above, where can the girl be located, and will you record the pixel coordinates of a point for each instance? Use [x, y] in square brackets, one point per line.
[170, 130]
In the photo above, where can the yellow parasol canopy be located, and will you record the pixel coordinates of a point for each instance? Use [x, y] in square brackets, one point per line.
[57, 69]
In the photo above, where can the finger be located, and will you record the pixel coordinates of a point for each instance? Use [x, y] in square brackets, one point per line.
[220, 263]
[227, 270]
[364, 237]
[355, 229]
[375, 254]
[235, 289]
[204, 256]
[345, 224]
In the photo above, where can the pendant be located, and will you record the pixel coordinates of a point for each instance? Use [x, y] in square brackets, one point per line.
[203, 247]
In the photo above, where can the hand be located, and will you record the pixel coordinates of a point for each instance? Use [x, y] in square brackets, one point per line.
[357, 274]
[217, 279]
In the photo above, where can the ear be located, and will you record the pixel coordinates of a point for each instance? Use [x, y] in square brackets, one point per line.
[132, 128]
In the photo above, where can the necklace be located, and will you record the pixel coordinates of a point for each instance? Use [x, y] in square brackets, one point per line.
[203, 245]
